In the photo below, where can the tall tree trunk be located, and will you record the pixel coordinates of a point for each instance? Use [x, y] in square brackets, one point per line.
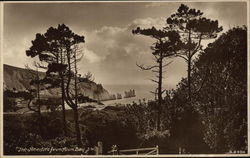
[38, 93]
[189, 70]
[63, 107]
[39, 110]
[78, 132]
[77, 128]
[39, 105]
[69, 100]
[63, 97]
[159, 93]
[189, 82]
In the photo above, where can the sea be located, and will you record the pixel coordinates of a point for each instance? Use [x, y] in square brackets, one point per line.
[142, 93]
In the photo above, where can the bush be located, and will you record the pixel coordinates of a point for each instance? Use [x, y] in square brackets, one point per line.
[110, 127]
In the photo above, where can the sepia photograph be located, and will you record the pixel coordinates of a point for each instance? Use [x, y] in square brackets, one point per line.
[124, 78]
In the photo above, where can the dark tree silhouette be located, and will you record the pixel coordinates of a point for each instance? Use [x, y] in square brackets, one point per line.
[58, 47]
[222, 100]
[167, 42]
[36, 79]
[193, 28]
[73, 56]
[49, 48]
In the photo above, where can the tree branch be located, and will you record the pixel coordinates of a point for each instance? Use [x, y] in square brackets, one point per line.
[147, 68]
[163, 91]
[152, 92]
[203, 81]
[154, 81]
[183, 57]
[167, 64]
[198, 46]
[155, 71]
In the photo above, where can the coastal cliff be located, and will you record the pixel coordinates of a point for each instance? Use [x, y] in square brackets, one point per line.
[19, 79]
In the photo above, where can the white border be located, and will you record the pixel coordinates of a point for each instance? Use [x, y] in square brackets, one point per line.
[114, 1]
[1, 79]
[248, 84]
[126, 1]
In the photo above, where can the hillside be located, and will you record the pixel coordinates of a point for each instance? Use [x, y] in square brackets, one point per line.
[19, 79]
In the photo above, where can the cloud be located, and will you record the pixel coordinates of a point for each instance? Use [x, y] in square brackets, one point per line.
[90, 56]
[111, 50]
[15, 53]
[111, 54]
[104, 40]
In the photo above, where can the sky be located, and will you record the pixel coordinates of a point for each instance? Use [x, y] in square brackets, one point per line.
[110, 50]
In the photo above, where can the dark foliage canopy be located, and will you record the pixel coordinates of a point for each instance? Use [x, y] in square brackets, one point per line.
[49, 45]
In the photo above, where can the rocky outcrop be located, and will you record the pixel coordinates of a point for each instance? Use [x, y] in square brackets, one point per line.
[19, 79]
[119, 96]
[129, 94]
